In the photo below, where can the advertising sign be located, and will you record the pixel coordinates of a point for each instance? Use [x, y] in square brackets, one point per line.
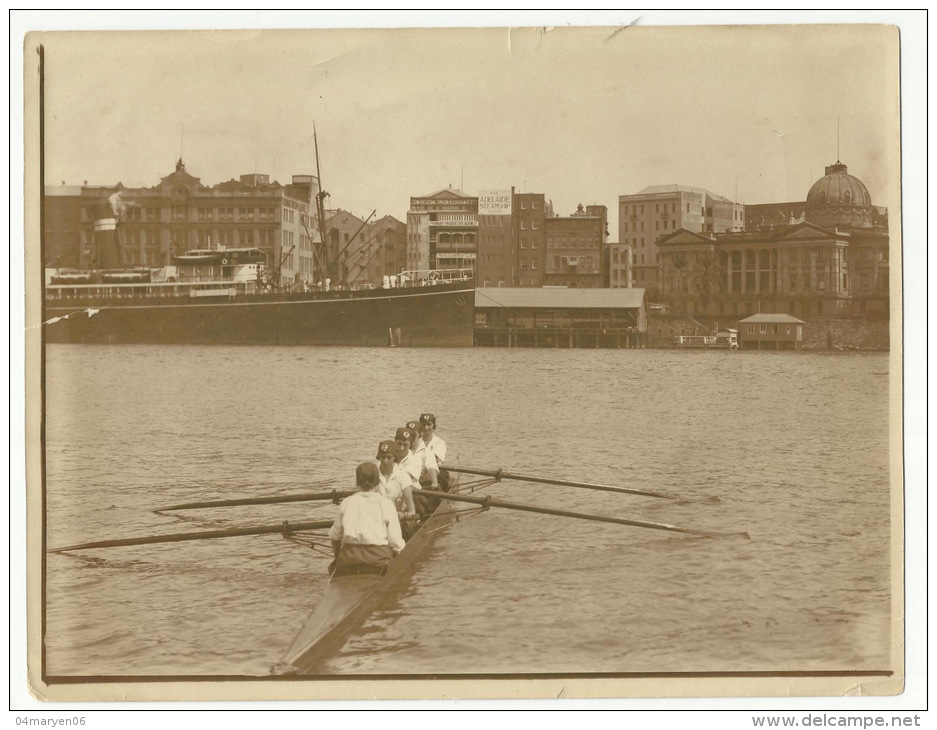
[494, 202]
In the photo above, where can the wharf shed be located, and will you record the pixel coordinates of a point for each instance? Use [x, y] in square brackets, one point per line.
[771, 332]
[560, 317]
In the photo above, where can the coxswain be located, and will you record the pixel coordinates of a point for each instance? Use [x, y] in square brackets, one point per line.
[392, 485]
[366, 534]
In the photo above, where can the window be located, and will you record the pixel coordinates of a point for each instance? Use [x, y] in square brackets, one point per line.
[788, 329]
[642, 211]
[673, 207]
[524, 205]
[523, 243]
[178, 213]
[762, 329]
[533, 264]
[656, 208]
[523, 225]
[687, 207]
[774, 329]
[246, 214]
[533, 243]
[642, 227]
[751, 329]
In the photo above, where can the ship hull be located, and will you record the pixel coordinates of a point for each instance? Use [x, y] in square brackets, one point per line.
[431, 316]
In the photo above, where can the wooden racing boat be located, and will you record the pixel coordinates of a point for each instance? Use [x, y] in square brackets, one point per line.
[349, 599]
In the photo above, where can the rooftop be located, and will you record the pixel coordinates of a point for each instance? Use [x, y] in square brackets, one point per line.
[520, 297]
[766, 318]
[673, 188]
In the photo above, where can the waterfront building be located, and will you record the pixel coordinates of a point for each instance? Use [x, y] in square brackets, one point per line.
[62, 226]
[577, 248]
[832, 261]
[349, 247]
[153, 225]
[560, 317]
[619, 266]
[442, 230]
[658, 211]
[389, 236]
[771, 332]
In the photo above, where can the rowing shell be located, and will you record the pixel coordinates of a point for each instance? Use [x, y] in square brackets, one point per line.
[349, 599]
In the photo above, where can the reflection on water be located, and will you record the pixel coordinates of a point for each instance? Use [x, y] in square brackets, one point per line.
[795, 445]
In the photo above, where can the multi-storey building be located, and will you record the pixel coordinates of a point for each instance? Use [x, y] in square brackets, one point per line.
[62, 226]
[529, 222]
[390, 245]
[619, 266]
[576, 248]
[497, 257]
[834, 261]
[179, 214]
[348, 247]
[442, 230]
[658, 211]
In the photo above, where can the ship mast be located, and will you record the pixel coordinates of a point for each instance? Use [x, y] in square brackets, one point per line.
[320, 211]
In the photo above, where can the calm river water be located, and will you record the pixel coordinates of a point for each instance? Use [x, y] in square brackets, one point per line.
[795, 445]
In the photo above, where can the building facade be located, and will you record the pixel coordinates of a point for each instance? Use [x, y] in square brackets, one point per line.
[619, 266]
[576, 248]
[660, 210]
[832, 263]
[442, 232]
[180, 214]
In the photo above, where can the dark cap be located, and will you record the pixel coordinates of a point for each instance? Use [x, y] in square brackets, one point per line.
[428, 418]
[366, 475]
[415, 426]
[406, 434]
[387, 447]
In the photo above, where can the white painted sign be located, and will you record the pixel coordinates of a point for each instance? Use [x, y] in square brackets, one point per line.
[494, 202]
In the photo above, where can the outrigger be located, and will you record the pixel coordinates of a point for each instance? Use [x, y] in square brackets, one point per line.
[348, 599]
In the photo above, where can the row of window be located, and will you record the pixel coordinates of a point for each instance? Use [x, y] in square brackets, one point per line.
[763, 329]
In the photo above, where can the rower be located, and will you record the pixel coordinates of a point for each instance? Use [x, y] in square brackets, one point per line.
[418, 447]
[392, 484]
[407, 462]
[366, 533]
[435, 454]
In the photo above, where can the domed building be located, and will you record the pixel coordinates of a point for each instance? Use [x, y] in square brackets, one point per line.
[825, 257]
[839, 199]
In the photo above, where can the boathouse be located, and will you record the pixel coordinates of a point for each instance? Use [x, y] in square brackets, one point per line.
[771, 332]
[560, 317]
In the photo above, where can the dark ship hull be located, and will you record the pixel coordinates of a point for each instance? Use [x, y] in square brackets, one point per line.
[440, 315]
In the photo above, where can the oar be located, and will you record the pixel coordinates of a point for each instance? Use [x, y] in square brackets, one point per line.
[488, 502]
[500, 474]
[333, 495]
[285, 529]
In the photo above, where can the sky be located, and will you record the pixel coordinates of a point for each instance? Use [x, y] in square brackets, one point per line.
[582, 114]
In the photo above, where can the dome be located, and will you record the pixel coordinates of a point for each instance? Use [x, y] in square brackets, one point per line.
[839, 199]
[838, 187]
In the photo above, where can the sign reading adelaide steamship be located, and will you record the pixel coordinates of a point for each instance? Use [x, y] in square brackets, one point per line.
[494, 202]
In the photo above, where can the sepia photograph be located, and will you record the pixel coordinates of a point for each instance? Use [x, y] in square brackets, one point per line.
[482, 361]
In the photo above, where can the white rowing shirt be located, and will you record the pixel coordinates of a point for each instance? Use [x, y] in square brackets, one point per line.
[411, 466]
[367, 518]
[436, 447]
[392, 487]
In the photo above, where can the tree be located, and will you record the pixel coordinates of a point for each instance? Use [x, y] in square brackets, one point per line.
[708, 277]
